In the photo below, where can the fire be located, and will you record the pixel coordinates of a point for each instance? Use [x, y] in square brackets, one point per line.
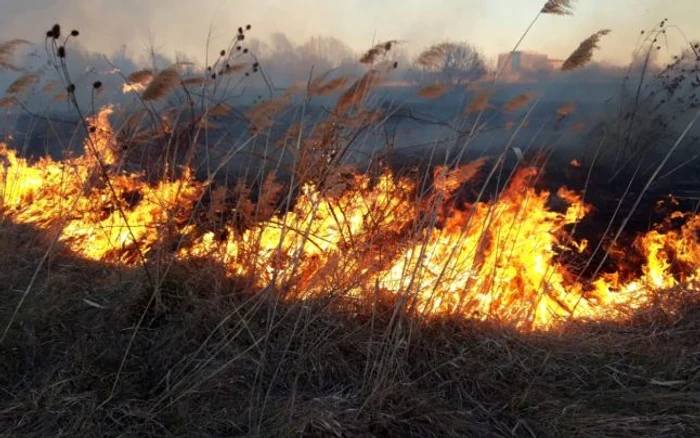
[97, 220]
[503, 259]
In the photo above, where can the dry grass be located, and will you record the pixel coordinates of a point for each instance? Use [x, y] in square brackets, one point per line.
[433, 91]
[584, 52]
[215, 360]
[21, 84]
[7, 50]
[162, 84]
[518, 102]
[558, 7]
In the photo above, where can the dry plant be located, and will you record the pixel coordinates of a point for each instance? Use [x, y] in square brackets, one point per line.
[584, 52]
[25, 81]
[378, 51]
[7, 101]
[433, 91]
[7, 50]
[162, 84]
[320, 88]
[479, 103]
[518, 101]
[558, 7]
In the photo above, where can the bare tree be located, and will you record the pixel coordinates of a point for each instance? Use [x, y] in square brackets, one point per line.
[448, 63]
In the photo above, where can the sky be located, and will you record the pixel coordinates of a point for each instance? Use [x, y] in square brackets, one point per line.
[492, 25]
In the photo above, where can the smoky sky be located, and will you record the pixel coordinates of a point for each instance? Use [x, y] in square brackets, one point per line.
[493, 25]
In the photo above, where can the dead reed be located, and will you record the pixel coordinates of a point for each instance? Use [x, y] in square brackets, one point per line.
[558, 7]
[584, 52]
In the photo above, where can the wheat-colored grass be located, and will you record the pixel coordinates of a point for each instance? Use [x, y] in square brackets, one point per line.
[584, 52]
[7, 50]
[25, 81]
[558, 7]
[162, 84]
[433, 91]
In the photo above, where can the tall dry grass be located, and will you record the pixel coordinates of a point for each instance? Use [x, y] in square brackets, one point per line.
[181, 349]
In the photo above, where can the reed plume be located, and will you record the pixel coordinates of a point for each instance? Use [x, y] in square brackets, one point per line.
[479, 103]
[162, 84]
[357, 92]
[7, 49]
[7, 101]
[381, 49]
[584, 53]
[566, 110]
[140, 77]
[328, 87]
[433, 91]
[24, 81]
[518, 102]
[558, 7]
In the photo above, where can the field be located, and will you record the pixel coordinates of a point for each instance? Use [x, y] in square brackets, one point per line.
[349, 256]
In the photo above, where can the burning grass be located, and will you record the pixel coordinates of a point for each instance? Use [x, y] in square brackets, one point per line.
[148, 299]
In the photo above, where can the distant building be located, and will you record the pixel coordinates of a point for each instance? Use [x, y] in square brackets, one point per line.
[521, 64]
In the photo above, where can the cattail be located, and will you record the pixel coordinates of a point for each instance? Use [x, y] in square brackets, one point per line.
[518, 102]
[162, 84]
[433, 91]
[21, 83]
[7, 49]
[584, 53]
[558, 7]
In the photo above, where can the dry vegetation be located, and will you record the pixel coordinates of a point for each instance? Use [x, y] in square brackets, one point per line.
[213, 360]
[137, 341]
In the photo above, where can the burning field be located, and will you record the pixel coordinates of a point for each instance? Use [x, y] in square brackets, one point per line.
[508, 259]
[510, 293]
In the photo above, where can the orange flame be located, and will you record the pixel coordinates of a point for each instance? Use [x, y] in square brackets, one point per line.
[499, 260]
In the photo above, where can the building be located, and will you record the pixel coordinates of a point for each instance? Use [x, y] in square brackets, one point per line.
[522, 64]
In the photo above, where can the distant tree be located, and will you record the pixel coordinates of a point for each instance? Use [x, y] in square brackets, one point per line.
[448, 63]
[325, 53]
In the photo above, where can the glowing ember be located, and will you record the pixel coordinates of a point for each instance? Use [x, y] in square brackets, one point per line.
[496, 260]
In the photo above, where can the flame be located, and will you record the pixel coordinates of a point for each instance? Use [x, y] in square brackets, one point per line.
[97, 220]
[503, 259]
